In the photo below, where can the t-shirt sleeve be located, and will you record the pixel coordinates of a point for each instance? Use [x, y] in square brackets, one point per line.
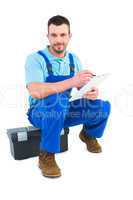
[33, 70]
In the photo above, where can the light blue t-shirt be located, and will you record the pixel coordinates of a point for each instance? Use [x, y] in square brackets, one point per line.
[36, 70]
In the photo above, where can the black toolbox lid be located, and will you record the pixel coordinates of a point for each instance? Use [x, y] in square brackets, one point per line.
[23, 133]
[27, 133]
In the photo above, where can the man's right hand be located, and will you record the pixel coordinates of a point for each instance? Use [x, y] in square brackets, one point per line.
[82, 78]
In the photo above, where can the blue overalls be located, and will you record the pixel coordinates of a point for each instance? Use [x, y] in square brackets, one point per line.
[53, 113]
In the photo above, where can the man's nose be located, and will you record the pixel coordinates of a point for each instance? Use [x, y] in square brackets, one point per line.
[58, 39]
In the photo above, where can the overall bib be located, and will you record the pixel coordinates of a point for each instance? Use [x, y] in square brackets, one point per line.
[53, 113]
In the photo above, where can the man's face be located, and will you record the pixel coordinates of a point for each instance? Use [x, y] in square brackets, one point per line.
[59, 37]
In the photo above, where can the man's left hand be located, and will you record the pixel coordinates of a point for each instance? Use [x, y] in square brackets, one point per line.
[92, 95]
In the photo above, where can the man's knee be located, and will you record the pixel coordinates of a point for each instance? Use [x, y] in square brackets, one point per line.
[100, 108]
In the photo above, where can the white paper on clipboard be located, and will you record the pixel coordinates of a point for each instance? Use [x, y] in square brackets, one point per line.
[94, 82]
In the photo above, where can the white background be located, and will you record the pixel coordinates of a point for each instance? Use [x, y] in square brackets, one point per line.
[103, 40]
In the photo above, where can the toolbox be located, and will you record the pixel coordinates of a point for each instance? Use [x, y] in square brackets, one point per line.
[25, 141]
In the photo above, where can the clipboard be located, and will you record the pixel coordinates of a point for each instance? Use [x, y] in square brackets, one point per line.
[94, 82]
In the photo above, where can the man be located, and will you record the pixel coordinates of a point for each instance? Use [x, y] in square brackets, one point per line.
[50, 75]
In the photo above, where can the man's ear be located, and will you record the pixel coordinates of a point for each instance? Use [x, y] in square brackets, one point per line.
[70, 35]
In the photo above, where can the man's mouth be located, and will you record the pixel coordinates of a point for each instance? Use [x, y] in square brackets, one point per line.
[59, 45]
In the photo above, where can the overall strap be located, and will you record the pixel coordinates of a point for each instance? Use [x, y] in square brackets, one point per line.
[71, 64]
[48, 64]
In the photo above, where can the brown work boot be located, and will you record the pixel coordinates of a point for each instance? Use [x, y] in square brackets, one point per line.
[48, 165]
[91, 142]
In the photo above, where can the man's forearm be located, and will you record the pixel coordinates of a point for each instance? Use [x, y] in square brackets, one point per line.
[41, 90]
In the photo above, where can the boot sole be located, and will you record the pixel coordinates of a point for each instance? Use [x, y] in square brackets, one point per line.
[51, 176]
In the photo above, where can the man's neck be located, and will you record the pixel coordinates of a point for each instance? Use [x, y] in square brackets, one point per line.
[61, 55]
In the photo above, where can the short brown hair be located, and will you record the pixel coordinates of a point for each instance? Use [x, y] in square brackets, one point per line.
[59, 20]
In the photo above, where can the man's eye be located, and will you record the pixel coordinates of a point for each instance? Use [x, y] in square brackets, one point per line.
[63, 35]
[53, 35]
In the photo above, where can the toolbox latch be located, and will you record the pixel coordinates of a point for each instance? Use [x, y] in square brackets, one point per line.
[22, 136]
